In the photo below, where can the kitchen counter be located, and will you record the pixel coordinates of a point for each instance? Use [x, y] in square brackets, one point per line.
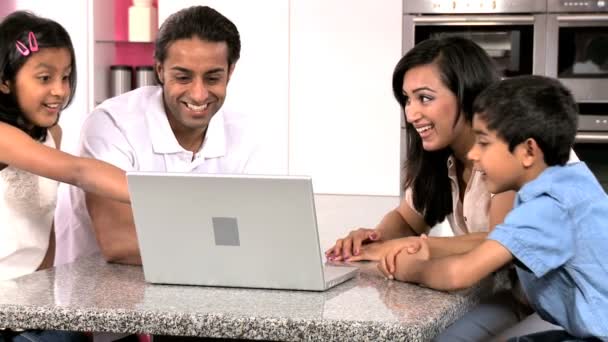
[92, 295]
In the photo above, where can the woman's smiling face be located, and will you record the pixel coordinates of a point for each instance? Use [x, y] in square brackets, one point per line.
[431, 107]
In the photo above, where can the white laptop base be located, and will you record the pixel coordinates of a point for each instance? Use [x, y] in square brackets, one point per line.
[230, 230]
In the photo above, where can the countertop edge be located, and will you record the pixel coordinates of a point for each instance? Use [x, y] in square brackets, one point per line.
[202, 325]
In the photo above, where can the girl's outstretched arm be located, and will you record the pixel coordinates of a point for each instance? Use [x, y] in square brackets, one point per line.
[21, 151]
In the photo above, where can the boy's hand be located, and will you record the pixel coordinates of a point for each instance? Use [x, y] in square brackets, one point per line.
[376, 251]
[395, 263]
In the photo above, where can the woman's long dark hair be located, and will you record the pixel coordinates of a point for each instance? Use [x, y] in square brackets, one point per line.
[49, 34]
[465, 69]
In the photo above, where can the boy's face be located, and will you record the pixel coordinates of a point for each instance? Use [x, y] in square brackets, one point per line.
[502, 170]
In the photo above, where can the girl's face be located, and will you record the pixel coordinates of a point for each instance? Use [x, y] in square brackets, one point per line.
[42, 85]
[431, 108]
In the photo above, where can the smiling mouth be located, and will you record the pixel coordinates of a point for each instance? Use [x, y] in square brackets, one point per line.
[196, 108]
[423, 129]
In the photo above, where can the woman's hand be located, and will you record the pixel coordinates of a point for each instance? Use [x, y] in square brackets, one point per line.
[351, 245]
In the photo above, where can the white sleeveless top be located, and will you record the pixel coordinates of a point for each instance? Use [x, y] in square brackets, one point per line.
[27, 206]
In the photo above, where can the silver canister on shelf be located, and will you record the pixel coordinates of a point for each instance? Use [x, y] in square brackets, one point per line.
[144, 76]
[121, 79]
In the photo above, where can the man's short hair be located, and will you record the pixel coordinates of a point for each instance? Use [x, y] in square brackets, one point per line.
[202, 22]
[535, 107]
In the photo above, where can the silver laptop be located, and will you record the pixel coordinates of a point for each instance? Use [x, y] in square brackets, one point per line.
[230, 230]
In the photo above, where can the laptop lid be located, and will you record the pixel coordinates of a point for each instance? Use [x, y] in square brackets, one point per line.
[227, 230]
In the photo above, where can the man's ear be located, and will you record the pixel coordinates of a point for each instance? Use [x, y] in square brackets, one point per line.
[5, 87]
[531, 153]
[158, 68]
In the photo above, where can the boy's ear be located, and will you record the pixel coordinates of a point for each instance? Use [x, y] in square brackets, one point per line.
[531, 152]
[4, 87]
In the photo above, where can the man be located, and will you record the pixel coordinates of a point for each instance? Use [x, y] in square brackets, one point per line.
[178, 126]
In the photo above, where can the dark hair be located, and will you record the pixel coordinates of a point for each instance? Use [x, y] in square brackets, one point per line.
[534, 107]
[202, 22]
[49, 34]
[466, 70]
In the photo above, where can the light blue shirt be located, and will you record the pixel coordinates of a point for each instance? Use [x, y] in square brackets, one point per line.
[558, 234]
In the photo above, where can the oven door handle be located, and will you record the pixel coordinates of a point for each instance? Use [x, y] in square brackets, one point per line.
[591, 137]
[600, 18]
[486, 20]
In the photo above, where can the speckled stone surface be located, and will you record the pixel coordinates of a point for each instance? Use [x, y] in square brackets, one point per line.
[91, 295]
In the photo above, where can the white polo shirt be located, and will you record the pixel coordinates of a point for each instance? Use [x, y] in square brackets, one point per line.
[132, 132]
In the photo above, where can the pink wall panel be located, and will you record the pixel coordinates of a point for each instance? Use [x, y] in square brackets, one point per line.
[126, 52]
[6, 7]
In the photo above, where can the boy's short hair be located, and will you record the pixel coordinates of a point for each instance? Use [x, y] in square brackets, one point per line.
[534, 107]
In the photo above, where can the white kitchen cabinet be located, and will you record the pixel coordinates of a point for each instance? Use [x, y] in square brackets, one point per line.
[343, 121]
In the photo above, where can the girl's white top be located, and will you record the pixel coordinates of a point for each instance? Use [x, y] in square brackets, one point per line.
[27, 206]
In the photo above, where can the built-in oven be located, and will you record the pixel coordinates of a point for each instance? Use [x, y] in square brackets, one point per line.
[511, 32]
[577, 54]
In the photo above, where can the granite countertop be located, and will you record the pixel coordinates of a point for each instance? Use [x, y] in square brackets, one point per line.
[92, 295]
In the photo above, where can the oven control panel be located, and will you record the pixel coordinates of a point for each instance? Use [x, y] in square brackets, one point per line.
[577, 6]
[593, 123]
[473, 6]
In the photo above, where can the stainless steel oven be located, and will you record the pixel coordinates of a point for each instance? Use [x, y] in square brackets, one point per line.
[577, 54]
[512, 32]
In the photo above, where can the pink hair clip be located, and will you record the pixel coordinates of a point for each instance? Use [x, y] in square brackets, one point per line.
[33, 45]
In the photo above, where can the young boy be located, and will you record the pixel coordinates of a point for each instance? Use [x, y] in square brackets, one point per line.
[557, 232]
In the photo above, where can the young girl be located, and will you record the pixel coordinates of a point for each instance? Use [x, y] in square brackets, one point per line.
[37, 81]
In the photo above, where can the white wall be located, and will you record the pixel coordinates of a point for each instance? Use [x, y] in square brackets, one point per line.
[344, 123]
[260, 83]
